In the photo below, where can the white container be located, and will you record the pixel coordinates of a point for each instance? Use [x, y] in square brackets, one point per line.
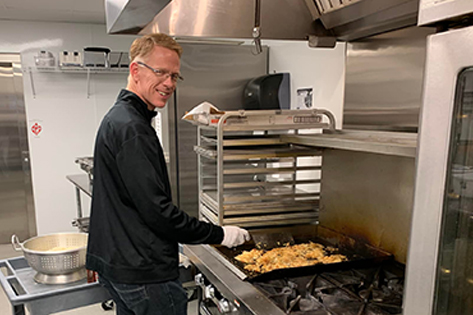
[70, 59]
[44, 59]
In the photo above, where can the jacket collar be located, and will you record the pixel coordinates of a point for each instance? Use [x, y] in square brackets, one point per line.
[135, 101]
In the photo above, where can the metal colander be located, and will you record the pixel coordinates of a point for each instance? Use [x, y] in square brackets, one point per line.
[58, 263]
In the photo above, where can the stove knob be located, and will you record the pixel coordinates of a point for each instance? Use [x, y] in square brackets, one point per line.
[224, 306]
[209, 292]
[199, 279]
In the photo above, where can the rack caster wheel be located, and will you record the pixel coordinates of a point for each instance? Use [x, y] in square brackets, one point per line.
[107, 305]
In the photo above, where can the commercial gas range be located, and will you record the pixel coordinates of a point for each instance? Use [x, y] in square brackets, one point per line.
[373, 290]
[277, 174]
[369, 282]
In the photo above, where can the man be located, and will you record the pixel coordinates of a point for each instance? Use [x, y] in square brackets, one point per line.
[134, 226]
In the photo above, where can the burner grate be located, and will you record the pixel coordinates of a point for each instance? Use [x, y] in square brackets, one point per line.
[371, 291]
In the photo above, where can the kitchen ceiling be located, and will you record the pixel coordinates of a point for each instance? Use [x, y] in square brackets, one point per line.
[72, 11]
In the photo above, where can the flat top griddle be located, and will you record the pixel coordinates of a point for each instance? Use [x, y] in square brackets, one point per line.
[358, 253]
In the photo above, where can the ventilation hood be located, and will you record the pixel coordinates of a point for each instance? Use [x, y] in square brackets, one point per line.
[350, 20]
[315, 20]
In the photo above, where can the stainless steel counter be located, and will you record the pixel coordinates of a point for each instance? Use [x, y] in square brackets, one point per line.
[83, 184]
[237, 291]
[81, 181]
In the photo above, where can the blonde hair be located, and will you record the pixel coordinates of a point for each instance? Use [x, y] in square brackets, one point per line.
[143, 46]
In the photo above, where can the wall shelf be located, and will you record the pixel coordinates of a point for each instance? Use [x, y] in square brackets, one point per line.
[73, 70]
[81, 70]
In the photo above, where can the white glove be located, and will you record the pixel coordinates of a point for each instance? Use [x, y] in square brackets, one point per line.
[234, 236]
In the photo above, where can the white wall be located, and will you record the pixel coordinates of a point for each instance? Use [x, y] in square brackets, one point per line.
[69, 119]
[321, 69]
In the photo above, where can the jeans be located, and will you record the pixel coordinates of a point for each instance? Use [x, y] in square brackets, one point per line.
[166, 298]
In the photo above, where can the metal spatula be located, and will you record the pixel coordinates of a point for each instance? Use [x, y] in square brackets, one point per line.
[272, 240]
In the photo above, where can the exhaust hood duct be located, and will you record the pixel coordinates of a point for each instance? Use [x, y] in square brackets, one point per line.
[280, 19]
[350, 20]
[130, 16]
[320, 21]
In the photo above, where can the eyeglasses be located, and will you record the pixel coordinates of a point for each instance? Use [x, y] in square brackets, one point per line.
[175, 77]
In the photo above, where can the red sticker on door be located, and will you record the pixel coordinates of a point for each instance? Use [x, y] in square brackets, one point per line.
[36, 129]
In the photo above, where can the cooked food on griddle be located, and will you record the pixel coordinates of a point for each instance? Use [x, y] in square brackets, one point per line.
[250, 257]
[289, 256]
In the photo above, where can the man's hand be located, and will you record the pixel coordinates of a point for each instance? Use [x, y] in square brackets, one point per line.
[234, 236]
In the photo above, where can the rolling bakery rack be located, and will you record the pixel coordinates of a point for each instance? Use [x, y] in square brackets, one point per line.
[251, 177]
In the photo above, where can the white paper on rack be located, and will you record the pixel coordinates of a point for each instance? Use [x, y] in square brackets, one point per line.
[202, 114]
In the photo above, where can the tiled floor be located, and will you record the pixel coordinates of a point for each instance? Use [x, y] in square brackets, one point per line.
[6, 251]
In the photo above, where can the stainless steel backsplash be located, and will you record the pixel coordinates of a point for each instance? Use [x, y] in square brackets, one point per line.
[369, 197]
[384, 76]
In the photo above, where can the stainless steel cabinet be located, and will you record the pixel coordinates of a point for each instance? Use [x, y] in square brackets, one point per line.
[16, 197]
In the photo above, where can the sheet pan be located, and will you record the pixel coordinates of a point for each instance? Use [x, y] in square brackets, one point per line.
[359, 253]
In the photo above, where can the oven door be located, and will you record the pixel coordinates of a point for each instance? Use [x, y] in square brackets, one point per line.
[439, 276]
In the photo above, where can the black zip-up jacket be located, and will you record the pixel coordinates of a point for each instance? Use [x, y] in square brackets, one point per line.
[134, 226]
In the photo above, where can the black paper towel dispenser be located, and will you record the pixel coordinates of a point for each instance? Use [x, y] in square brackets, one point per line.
[270, 91]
